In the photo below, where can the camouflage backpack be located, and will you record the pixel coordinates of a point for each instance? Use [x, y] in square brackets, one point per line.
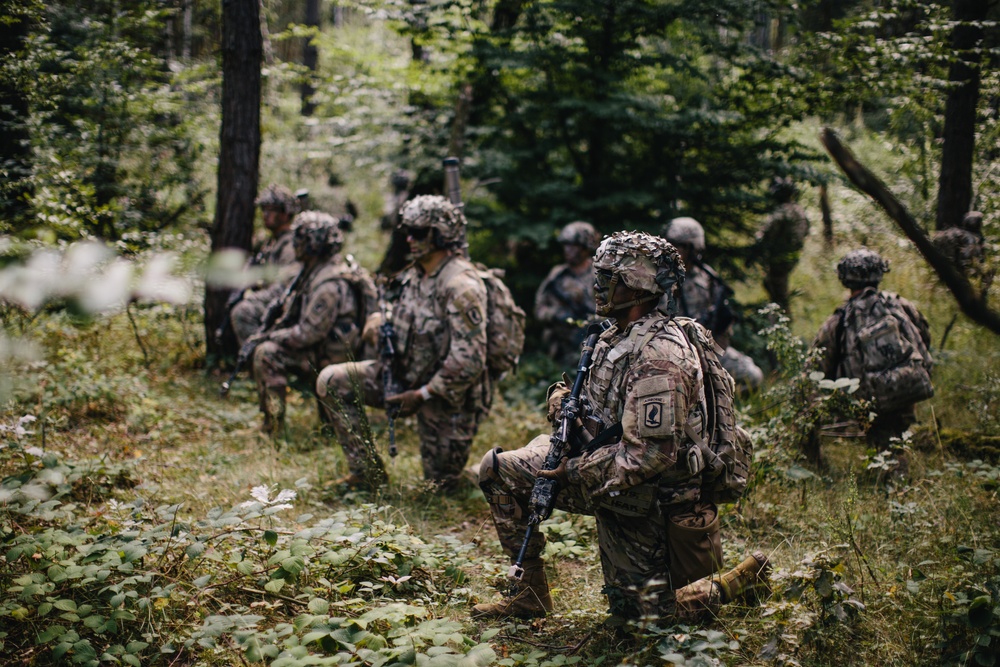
[365, 293]
[728, 452]
[882, 347]
[504, 323]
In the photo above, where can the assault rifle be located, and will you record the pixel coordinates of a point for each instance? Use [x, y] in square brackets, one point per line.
[271, 317]
[387, 355]
[545, 490]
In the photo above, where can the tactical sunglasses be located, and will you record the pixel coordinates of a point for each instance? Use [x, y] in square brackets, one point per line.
[418, 233]
[603, 278]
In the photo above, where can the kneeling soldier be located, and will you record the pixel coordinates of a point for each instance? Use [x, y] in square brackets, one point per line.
[319, 321]
[656, 532]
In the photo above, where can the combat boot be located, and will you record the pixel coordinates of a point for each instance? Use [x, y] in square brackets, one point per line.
[529, 597]
[748, 576]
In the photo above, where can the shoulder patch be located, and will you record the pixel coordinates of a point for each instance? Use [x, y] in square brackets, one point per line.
[655, 403]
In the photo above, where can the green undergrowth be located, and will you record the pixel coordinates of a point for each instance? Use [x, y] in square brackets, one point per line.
[144, 520]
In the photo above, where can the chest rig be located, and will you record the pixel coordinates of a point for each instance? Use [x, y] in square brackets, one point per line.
[604, 391]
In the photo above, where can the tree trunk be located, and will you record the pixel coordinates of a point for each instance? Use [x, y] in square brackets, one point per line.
[15, 146]
[505, 15]
[824, 207]
[959, 138]
[188, 30]
[310, 58]
[239, 144]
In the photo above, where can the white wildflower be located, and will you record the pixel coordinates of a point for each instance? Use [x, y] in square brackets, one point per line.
[261, 494]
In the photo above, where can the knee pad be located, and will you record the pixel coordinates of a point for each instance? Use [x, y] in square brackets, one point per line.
[332, 379]
[489, 470]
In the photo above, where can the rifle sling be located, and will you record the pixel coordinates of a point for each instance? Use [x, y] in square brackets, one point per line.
[611, 434]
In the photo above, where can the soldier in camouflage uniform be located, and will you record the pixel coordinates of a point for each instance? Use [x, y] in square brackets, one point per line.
[861, 271]
[780, 239]
[439, 309]
[646, 377]
[565, 299]
[278, 207]
[319, 323]
[704, 297]
[963, 245]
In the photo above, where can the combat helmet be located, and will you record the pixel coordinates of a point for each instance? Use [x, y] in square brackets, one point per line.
[317, 234]
[438, 214]
[783, 188]
[278, 196]
[973, 222]
[644, 262]
[862, 268]
[580, 233]
[686, 231]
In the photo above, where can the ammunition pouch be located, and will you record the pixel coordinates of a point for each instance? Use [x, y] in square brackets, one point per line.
[694, 543]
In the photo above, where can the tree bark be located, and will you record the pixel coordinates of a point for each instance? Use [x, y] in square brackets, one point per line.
[310, 58]
[959, 137]
[239, 144]
[824, 207]
[15, 144]
[973, 305]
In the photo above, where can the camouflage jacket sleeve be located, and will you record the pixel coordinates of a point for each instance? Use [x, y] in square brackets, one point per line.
[657, 399]
[464, 362]
[548, 307]
[322, 307]
[827, 340]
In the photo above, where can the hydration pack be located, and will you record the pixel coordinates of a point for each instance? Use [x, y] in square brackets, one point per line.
[726, 449]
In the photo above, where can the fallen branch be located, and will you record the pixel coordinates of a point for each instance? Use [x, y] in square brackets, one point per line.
[972, 304]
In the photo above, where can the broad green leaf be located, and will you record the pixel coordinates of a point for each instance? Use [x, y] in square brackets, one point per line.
[65, 605]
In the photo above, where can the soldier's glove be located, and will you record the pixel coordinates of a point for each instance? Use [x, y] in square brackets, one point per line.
[409, 401]
[559, 473]
[554, 399]
[369, 333]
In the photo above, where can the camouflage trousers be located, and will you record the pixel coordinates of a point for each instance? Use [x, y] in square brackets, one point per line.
[248, 314]
[272, 366]
[446, 432]
[634, 541]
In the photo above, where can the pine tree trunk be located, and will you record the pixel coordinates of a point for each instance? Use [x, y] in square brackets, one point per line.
[15, 149]
[310, 58]
[239, 143]
[959, 138]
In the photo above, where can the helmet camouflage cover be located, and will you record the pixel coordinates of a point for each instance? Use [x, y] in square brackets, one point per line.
[645, 262]
[580, 233]
[687, 231]
[278, 196]
[862, 268]
[317, 234]
[439, 214]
